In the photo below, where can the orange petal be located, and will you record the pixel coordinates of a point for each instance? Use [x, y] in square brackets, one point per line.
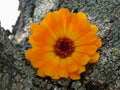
[71, 65]
[80, 70]
[40, 41]
[35, 28]
[81, 16]
[98, 43]
[39, 63]
[94, 58]
[80, 59]
[60, 24]
[41, 73]
[83, 60]
[64, 13]
[94, 28]
[37, 52]
[64, 17]
[51, 66]
[90, 50]
[31, 54]
[55, 22]
[86, 39]
[76, 26]
[41, 38]
[33, 42]
[62, 69]
[55, 77]
[74, 76]
[40, 60]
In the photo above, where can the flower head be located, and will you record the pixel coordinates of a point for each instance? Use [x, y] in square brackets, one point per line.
[62, 44]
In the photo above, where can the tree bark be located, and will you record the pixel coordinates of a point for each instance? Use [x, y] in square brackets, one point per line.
[16, 73]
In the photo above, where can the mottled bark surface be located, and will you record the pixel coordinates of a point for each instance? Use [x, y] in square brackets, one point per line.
[16, 73]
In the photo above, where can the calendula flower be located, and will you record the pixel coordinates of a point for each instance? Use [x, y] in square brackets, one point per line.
[62, 44]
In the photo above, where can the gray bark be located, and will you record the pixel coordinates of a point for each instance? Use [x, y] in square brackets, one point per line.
[16, 73]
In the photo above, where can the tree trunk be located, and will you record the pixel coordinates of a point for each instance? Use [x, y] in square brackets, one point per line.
[16, 73]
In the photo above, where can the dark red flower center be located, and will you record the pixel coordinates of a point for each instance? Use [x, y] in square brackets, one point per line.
[64, 47]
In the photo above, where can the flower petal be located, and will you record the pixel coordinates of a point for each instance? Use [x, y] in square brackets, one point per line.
[86, 39]
[34, 28]
[94, 28]
[89, 50]
[71, 65]
[80, 70]
[41, 73]
[74, 76]
[50, 68]
[76, 29]
[59, 34]
[98, 43]
[62, 70]
[80, 59]
[94, 58]
[42, 59]
[83, 60]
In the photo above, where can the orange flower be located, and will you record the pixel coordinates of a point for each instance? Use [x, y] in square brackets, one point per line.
[62, 44]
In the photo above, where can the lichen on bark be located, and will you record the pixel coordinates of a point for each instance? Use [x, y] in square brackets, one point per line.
[16, 73]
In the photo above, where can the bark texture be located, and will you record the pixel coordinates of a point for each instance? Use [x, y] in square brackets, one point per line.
[16, 73]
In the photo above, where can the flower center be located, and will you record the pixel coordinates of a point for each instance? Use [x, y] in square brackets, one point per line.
[64, 47]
